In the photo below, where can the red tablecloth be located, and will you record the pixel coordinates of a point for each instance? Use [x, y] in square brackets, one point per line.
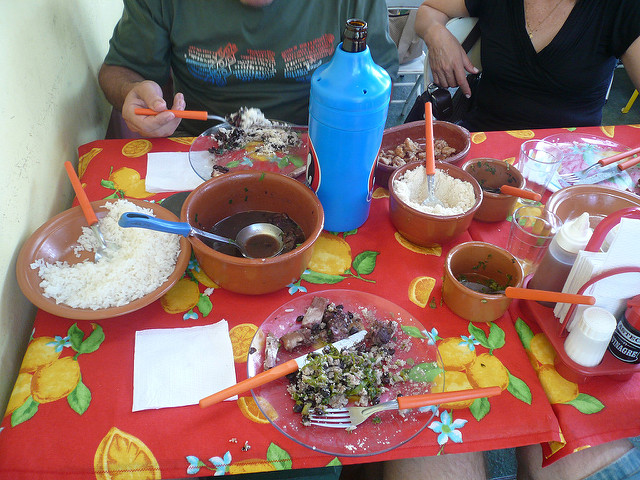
[77, 434]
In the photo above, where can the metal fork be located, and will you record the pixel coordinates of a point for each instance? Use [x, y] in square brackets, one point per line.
[353, 416]
[575, 177]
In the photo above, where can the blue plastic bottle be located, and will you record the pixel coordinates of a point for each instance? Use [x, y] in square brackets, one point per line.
[347, 113]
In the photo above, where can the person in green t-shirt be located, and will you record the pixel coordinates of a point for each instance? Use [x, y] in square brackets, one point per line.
[225, 54]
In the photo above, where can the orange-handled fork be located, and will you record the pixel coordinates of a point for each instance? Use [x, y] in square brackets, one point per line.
[87, 210]
[353, 416]
[190, 114]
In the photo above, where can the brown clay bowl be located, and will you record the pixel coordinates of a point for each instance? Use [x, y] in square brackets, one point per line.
[492, 173]
[425, 228]
[55, 241]
[485, 259]
[455, 136]
[235, 192]
[600, 201]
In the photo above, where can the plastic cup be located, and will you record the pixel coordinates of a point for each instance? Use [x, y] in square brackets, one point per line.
[532, 229]
[538, 162]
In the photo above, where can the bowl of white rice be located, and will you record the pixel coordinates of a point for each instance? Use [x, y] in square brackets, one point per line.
[57, 273]
[459, 193]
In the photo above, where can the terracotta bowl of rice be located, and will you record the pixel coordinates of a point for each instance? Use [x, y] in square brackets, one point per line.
[236, 192]
[405, 143]
[140, 268]
[458, 191]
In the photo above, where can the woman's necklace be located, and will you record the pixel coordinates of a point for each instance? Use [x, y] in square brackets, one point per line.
[531, 31]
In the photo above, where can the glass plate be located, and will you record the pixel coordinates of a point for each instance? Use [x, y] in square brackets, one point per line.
[580, 150]
[368, 438]
[292, 162]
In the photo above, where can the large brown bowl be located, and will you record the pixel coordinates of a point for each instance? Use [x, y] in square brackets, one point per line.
[235, 192]
[491, 174]
[425, 228]
[455, 136]
[55, 241]
[600, 201]
[486, 259]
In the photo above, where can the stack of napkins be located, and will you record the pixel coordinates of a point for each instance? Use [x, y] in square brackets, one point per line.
[179, 366]
[612, 292]
[170, 172]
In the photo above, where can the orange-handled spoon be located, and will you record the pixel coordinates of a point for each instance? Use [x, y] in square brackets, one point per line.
[190, 114]
[87, 210]
[520, 192]
[547, 296]
[430, 164]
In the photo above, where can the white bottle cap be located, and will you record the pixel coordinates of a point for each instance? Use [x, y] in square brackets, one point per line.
[588, 340]
[574, 235]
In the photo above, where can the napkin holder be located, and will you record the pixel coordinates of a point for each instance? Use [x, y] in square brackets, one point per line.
[556, 331]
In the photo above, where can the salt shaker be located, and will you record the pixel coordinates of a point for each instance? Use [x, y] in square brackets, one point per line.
[590, 336]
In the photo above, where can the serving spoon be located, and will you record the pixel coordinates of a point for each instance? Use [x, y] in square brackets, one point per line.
[190, 114]
[430, 166]
[515, 192]
[257, 240]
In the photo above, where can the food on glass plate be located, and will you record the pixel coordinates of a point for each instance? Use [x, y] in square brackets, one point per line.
[410, 151]
[361, 373]
[137, 261]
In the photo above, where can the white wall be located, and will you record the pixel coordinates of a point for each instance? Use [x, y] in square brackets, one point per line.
[50, 103]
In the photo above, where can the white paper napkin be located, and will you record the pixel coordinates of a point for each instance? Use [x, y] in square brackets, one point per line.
[170, 172]
[179, 366]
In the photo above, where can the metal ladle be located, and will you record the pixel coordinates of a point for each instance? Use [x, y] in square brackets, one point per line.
[258, 240]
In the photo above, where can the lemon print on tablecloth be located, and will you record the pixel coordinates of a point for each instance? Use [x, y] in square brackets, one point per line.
[510, 160]
[381, 193]
[41, 351]
[331, 255]
[557, 388]
[541, 351]
[452, 381]
[251, 465]
[488, 371]
[455, 354]
[83, 161]
[121, 456]
[241, 336]
[55, 380]
[522, 134]
[432, 250]
[128, 181]
[182, 297]
[20, 393]
[478, 137]
[202, 277]
[250, 409]
[136, 148]
[183, 140]
[608, 130]
[420, 290]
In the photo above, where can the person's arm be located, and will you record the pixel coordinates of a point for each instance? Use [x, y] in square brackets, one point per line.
[448, 61]
[126, 90]
[631, 61]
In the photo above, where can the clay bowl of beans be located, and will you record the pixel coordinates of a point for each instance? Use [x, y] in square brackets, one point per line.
[459, 193]
[405, 144]
[229, 202]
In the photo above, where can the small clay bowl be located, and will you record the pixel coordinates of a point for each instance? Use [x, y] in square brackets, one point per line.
[466, 261]
[235, 192]
[455, 136]
[491, 174]
[426, 229]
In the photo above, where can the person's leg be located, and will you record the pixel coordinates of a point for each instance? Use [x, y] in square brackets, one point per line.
[468, 466]
[578, 465]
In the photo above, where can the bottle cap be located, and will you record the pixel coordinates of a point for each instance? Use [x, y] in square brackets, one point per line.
[632, 314]
[597, 324]
[574, 235]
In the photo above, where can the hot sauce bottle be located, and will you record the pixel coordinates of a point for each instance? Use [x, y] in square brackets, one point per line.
[625, 342]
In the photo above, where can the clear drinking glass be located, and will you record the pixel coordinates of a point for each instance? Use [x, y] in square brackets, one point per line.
[538, 161]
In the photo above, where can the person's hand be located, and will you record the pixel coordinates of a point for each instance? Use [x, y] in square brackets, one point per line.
[448, 61]
[148, 94]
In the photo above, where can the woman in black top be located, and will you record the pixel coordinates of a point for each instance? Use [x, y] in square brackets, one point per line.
[545, 63]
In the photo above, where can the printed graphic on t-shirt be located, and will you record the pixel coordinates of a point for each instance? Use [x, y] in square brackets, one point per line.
[219, 66]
